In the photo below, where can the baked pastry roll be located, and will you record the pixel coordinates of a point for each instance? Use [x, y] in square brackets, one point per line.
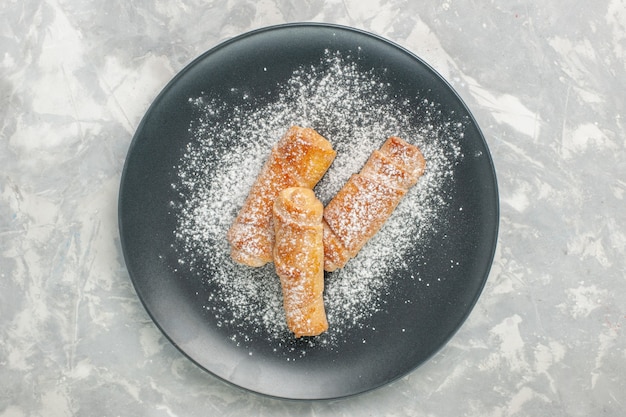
[299, 259]
[299, 159]
[365, 202]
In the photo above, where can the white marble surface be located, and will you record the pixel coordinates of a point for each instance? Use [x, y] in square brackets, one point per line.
[546, 81]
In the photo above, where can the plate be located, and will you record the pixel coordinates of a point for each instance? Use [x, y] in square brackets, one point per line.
[398, 302]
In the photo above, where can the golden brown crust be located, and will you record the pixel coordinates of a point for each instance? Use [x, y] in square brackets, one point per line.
[300, 158]
[335, 254]
[365, 202]
[299, 259]
[405, 156]
[359, 209]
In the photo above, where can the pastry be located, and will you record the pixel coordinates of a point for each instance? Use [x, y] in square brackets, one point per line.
[299, 159]
[299, 259]
[365, 202]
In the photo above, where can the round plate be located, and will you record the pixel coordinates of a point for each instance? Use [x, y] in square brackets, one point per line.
[434, 286]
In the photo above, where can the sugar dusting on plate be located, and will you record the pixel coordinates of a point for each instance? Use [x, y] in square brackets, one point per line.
[356, 111]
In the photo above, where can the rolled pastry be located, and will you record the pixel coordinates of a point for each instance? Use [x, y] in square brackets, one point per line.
[299, 159]
[299, 259]
[365, 202]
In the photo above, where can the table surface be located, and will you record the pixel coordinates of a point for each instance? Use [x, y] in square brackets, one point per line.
[546, 82]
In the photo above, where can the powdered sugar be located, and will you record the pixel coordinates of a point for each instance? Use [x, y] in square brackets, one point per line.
[356, 111]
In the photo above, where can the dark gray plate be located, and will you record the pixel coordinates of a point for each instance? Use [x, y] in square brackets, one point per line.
[177, 303]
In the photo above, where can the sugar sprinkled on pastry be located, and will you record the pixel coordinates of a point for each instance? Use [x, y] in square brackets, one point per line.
[299, 259]
[299, 159]
[365, 202]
